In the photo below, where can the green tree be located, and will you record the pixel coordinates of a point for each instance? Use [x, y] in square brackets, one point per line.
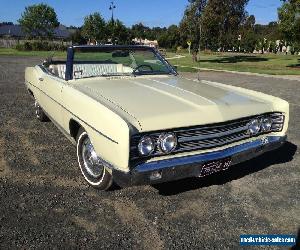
[156, 33]
[248, 38]
[77, 37]
[170, 38]
[39, 20]
[221, 22]
[289, 21]
[191, 25]
[269, 31]
[198, 6]
[140, 31]
[118, 33]
[94, 28]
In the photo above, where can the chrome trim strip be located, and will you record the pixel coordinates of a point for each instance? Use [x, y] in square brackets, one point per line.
[264, 142]
[62, 130]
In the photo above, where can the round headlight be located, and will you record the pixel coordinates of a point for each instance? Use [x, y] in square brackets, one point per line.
[254, 127]
[167, 142]
[146, 146]
[266, 124]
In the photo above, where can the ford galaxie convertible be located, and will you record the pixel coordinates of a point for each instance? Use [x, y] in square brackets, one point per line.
[135, 121]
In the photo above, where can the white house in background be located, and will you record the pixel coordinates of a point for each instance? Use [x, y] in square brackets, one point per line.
[146, 42]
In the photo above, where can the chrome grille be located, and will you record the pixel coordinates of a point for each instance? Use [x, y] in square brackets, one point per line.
[209, 137]
[204, 137]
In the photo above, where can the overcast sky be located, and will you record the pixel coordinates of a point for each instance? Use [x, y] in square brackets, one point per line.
[151, 13]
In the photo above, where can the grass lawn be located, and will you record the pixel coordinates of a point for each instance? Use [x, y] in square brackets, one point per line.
[264, 64]
[43, 54]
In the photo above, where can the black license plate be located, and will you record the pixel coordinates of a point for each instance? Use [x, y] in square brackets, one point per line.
[215, 166]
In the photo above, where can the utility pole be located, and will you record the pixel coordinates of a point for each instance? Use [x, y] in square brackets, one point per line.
[111, 8]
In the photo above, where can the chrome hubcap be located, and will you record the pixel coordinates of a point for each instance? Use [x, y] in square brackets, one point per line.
[91, 161]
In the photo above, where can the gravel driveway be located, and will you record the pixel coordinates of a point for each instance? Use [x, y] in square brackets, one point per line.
[45, 202]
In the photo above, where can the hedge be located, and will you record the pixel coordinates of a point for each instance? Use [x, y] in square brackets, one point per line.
[40, 46]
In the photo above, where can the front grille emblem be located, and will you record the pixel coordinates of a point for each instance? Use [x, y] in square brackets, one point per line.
[264, 140]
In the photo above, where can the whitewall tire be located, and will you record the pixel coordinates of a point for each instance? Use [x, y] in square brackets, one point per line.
[91, 165]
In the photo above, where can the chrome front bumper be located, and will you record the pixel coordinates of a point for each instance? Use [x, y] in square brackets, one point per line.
[191, 166]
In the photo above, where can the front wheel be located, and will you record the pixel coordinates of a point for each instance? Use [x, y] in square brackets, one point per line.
[91, 165]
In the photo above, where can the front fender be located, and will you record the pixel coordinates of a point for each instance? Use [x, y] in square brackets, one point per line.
[109, 133]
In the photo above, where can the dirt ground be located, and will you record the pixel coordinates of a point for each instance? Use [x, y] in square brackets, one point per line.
[44, 201]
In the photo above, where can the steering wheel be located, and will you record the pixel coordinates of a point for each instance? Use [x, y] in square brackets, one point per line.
[141, 66]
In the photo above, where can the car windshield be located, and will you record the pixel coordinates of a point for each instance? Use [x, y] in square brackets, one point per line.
[94, 62]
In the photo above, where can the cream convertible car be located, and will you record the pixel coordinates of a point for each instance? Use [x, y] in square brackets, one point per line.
[135, 121]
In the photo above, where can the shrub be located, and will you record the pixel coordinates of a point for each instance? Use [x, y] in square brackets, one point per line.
[40, 46]
[20, 47]
[54, 46]
[63, 47]
[27, 46]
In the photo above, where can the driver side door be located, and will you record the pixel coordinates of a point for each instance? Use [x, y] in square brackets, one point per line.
[51, 97]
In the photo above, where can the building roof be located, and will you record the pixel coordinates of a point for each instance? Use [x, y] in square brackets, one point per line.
[16, 31]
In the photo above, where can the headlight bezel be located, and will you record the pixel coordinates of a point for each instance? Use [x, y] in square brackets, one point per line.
[157, 140]
[254, 126]
[276, 120]
[266, 124]
[162, 140]
[139, 146]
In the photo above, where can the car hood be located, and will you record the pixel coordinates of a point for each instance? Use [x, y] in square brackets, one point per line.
[165, 102]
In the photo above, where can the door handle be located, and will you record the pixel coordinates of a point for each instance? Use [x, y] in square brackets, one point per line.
[41, 79]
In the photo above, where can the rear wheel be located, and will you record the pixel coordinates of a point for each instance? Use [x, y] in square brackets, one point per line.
[39, 112]
[91, 165]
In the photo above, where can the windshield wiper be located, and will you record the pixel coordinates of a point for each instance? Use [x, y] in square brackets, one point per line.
[152, 73]
[116, 74]
[134, 74]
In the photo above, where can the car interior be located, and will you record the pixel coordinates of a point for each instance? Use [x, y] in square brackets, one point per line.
[117, 62]
[84, 70]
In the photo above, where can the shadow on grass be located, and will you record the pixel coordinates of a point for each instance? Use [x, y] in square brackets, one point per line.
[236, 59]
[295, 66]
[281, 155]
